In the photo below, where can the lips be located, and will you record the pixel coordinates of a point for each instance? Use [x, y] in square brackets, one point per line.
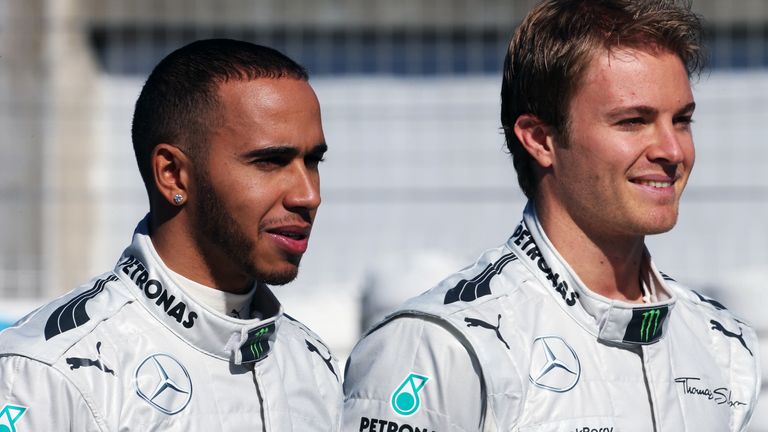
[292, 239]
[654, 183]
[657, 187]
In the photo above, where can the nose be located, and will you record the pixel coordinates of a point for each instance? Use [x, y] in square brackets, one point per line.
[304, 191]
[669, 144]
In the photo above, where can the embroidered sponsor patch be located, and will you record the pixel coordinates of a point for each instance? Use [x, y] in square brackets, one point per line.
[257, 346]
[405, 399]
[646, 325]
[554, 364]
[164, 383]
[9, 416]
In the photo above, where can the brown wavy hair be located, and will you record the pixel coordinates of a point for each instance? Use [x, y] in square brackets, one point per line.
[555, 43]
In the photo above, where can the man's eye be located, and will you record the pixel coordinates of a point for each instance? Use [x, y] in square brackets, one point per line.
[632, 121]
[684, 120]
[314, 160]
[270, 162]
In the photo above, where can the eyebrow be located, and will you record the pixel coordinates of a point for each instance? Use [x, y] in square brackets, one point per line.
[647, 110]
[277, 151]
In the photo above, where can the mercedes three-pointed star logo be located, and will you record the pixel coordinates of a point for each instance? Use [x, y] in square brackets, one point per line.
[164, 383]
[554, 364]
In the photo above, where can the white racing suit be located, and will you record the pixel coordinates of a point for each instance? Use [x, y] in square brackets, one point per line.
[516, 342]
[130, 351]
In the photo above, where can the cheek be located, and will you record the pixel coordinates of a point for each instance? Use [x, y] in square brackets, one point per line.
[690, 155]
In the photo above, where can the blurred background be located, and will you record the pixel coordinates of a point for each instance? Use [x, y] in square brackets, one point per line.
[416, 183]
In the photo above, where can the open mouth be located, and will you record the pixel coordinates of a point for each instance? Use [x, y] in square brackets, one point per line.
[290, 234]
[292, 239]
[654, 183]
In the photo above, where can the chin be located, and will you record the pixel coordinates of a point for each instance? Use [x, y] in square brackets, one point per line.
[276, 276]
[659, 223]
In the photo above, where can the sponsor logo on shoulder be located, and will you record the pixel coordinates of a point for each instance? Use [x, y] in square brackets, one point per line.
[368, 424]
[9, 416]
[153, 289]
[72, 314]
[523, 238]
[99, 363]
[405, 399]
[480, 285]
[554, 364]
[476, 322]
[328, 361]
[740, 336]
[719, 396]
[164, 383]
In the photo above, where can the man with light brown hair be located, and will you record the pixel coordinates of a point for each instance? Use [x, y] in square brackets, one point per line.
[569, 326]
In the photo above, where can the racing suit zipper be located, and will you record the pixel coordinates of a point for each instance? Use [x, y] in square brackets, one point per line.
[262, 402]
[648, 389]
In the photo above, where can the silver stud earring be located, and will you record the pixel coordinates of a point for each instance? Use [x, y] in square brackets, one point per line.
[178, 199]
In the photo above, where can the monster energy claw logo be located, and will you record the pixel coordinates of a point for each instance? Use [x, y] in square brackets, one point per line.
[406, 400]
[256, 347]
[9, 416]
[650, 324]
[646, 325]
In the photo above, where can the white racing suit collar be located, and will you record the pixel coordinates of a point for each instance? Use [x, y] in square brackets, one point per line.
[241, 341]
[611, 321]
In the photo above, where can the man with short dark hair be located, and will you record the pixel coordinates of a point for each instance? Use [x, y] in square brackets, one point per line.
[184, 334]
[569, 326]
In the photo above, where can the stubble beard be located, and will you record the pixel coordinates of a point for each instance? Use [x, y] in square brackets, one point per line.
[214, 225]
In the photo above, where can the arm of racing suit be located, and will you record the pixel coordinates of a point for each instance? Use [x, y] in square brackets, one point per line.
[37, 397]
[411, 372]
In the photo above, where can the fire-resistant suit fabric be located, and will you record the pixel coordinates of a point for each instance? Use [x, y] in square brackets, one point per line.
[131, 351]
[516, 342]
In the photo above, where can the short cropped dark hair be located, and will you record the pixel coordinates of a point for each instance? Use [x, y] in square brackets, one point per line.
[555, 43]
[179, 103]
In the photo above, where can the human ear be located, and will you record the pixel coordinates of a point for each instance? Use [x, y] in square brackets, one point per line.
[170, 169]
[537, 138]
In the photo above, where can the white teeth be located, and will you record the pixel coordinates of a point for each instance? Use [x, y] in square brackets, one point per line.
[656, 184]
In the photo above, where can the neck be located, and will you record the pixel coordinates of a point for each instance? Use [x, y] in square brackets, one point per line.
[608, 265]
[174, 241]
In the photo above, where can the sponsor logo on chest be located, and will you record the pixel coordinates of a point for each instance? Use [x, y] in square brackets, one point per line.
[153, 289]
[10, 416]
[164, 383]
[405, 399]
[693, 386]
[380, 425]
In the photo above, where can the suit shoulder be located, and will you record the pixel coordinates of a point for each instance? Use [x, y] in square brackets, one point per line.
[300, 330]
[46, 333]
[497, 273]
[702, 304]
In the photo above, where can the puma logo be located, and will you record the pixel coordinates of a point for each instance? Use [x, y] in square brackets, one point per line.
[719, 327]
[474, 322]
[327, 361]
[78, 362]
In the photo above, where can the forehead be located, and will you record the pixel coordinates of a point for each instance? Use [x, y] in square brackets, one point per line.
[267, 96]
[628, 75]
[275, 110]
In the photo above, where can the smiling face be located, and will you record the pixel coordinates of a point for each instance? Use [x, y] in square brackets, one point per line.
[628, 150]
[258, 189]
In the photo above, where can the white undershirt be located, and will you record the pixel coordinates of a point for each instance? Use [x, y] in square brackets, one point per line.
[234, 305]
[653, 290]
